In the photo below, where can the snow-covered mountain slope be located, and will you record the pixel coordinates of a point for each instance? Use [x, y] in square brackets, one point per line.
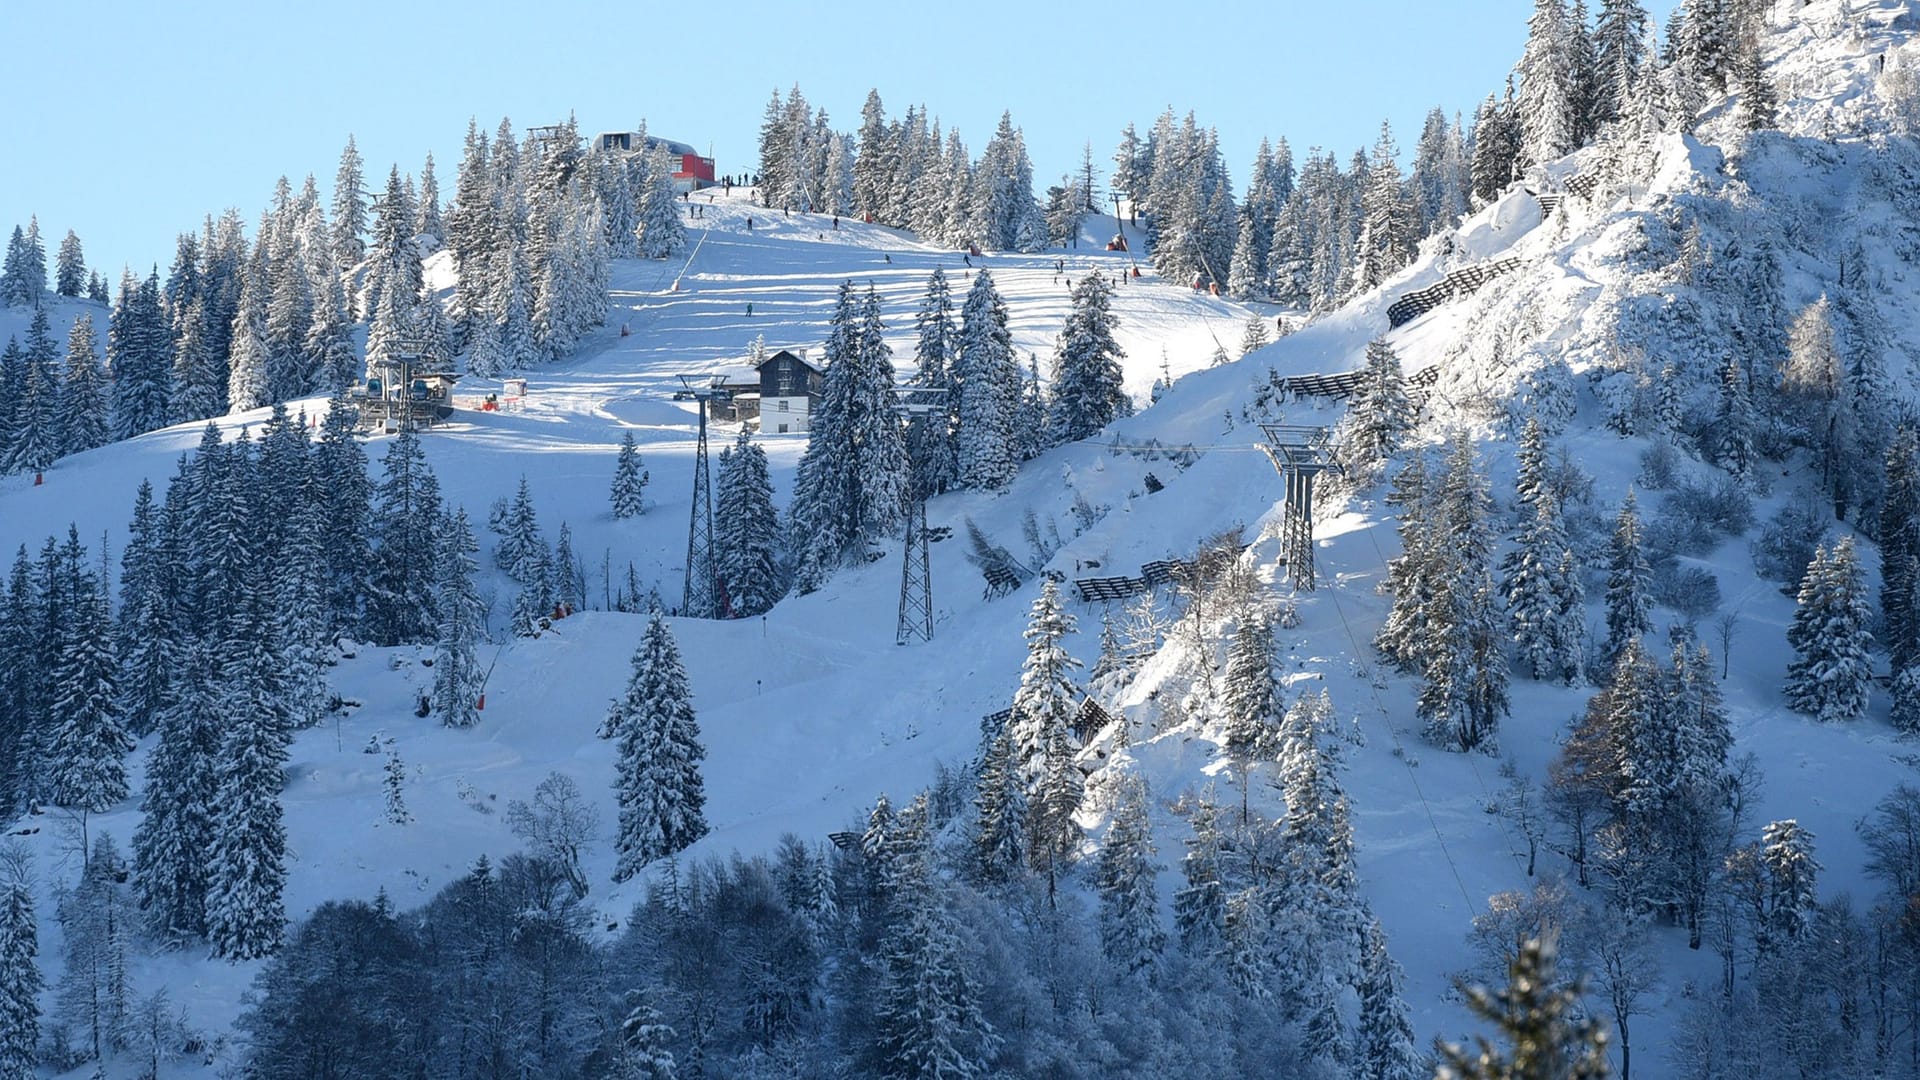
[807, 713]
[812, 711]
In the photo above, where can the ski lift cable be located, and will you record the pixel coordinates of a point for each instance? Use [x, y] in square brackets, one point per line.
[1499, 819]
[1400, 752]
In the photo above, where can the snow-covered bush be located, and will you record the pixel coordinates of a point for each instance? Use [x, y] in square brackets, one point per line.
[1692, 591]
[1787, 543]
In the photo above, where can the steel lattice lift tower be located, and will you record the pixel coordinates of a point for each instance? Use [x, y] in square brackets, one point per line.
[1300, 453]
[700, 599]
[916, 564]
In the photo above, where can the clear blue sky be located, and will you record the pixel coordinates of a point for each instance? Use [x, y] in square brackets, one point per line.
[128, 122]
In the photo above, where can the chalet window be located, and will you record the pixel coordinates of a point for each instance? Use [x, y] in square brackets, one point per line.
[781, 405]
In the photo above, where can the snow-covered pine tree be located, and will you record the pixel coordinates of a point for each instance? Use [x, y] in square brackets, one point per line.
[1383, 1045]
[400, 602]
[247, 873]
[629, 481]
[1464, 690]
[1381, 413]
[1496, 147]
[1549, 107]
[83, 393]
[929, 1024]
[456, 670]
[1086, 366]
[1000, 812]
[145, 636]
[1200, 906]
[19, 287]
[534, 604]
[20, 982]
[1831, 674]
[852, 477]
[662, 233]
[1542, 1019]
[1130, 934]
[94, 993]
[1254, 337]
[521, 547]
[349, 209]
[930, 437]
[177, 830]
[1543, 591]
[987, 381]
[89, 746]
[1786, 851]
[70, 267]
[747, 530]
[1387, 224]
[1732, 432]
[1619, 52]
[37, 438]
[662, 797]
[1251, 701]
[1629, 582]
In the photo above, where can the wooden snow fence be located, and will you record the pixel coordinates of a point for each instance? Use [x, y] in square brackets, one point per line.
[1457, 283]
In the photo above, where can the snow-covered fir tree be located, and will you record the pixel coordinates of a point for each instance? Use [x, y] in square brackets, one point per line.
[661, 794]
[929, 1023]
[661, 232]
[852, 477]
[456, 670]
[1831, 673]
[1464, 687]
[94, 994]
[987, 381]
[1388, 229]
[83, 393]
[1200, 906]
[70, 267]
[20, 982]
[1086, 366]
[1251, 701]
[1130, 934]
[629, 481]
[999, 838]
[1549, 102]
[1384, 1047]
[1041, 725]
[930, 435]
[746, 533]
[247, 872]
[1380, 414]
[400, 604]
[88, 749]
[1629, 581]
[1544, 597]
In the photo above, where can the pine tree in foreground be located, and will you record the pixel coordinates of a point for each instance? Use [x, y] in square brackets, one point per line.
[20, 983]
[929, 1024]
[629, 481]
[177, 827]
[662, 797]
[1548, 1034]
[1831, 674]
